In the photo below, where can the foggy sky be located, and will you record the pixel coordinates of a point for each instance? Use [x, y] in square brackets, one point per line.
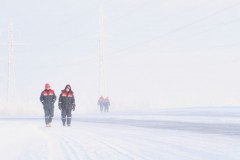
[158, 53]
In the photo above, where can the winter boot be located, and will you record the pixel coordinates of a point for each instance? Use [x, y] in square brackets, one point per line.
[46, 120]
[63, 121]
[50, 119]
[69, 121]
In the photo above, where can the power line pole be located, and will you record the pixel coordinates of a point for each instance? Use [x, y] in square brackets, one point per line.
[11, 91]
[101, 52]
[11, 74]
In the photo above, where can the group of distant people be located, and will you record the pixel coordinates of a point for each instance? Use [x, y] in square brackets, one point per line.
[104, 104]
[66, 103]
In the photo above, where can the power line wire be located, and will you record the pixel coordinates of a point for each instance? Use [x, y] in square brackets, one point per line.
[175, 30]
[95, 31]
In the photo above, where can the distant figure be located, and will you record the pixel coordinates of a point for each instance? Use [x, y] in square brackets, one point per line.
[48, 99]
[106, 104]
[66, 104]
[101, 103]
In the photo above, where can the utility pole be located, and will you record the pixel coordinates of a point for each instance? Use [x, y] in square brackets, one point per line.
[11, 74]
[11, 92]
[101, 52]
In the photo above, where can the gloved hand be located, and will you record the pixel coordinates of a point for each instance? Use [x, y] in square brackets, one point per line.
[73, 107]
[60, 106]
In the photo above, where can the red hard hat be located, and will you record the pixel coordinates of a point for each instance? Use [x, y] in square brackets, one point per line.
[47, 85]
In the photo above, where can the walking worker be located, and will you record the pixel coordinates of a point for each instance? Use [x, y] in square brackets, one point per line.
[66, 104]
[48, 99]
[101, 103]
[106, 104]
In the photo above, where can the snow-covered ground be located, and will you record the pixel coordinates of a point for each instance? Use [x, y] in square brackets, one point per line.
[176, 134]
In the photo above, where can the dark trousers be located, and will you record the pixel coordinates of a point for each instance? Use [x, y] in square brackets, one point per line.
[106, 108]
[66, 115]
[101, 108]
[49, 113]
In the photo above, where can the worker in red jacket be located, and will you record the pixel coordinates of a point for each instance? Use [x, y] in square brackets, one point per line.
[48, 99]
[101, 103]
[66, 104]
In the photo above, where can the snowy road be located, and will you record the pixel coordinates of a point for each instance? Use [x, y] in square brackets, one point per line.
[105, 138]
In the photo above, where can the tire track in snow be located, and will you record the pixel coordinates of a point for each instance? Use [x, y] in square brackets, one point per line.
[96, 151]
[72, 152]
[110, 148]
[108, 144]
[96, 141]
[53, 150]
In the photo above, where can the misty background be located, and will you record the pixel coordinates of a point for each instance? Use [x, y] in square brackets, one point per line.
[158, 53]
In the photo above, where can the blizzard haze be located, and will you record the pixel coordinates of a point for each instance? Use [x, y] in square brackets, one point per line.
[158, 53]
